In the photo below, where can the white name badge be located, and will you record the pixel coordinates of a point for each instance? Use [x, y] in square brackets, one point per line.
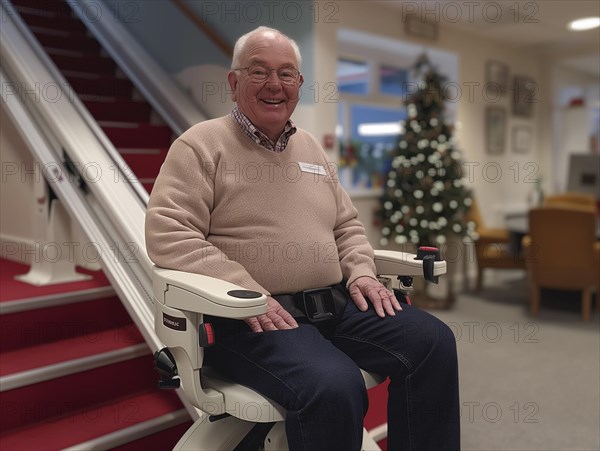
[312, 168]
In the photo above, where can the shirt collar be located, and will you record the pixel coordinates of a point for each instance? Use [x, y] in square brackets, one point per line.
[259, 137]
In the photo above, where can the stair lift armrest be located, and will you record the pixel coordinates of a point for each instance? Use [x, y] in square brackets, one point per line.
[203, 294]
[181, 301]
[394, 263]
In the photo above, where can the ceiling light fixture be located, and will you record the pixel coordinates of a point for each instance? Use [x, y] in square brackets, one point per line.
[586, 23]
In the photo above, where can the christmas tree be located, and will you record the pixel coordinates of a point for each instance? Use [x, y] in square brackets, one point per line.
[425, 198]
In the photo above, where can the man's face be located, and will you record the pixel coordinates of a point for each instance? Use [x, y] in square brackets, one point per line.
[268, 103]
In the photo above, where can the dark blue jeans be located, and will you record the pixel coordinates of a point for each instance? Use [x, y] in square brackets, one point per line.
[319, 382]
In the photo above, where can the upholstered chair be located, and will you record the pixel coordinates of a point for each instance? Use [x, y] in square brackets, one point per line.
[562, 253]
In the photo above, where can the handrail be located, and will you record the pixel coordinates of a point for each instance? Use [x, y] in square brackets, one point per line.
[205, 27]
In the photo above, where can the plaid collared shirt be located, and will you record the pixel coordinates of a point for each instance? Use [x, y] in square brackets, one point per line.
[259, 137]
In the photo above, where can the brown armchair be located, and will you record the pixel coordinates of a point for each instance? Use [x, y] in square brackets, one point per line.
[571, 199]
[492, 247]
[561, 252]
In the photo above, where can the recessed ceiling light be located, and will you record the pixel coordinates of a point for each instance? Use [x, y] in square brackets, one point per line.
[585, 24]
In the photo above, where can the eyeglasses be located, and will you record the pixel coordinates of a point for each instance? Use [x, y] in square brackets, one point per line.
[258, 73]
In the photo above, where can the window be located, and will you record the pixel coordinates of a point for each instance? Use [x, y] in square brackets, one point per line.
[374, 77]
[352, 77]
[365, 149]
[393, 80]
[369, 124]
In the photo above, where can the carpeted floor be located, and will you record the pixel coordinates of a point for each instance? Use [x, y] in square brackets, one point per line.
[526, 383]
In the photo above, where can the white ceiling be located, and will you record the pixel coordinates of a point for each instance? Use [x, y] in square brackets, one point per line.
[539, 26]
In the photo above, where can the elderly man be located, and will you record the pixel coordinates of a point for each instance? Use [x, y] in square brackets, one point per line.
[249, 198]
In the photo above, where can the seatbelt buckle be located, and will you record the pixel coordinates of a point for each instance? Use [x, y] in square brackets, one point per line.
[317, 304]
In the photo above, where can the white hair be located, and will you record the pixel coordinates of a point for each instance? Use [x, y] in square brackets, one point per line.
[240, 45]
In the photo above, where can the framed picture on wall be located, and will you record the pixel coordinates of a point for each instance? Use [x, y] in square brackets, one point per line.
[497, 74]
[495, 129]
[414, 26]
[524, 95]
[521, 138]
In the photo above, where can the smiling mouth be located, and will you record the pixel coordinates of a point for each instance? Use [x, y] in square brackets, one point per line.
[272, 101]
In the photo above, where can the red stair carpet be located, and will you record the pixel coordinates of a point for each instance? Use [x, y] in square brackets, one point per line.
[73, 368]
[71, 405]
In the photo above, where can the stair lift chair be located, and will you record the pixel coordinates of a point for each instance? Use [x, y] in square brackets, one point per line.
[236, 417]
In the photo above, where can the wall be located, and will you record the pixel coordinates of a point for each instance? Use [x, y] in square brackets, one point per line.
[572, 125]
[17, 197]
[23, 220]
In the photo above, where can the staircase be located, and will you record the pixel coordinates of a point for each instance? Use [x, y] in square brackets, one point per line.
[74, 369]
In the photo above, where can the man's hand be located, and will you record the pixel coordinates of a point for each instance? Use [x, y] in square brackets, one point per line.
[382, 299]
[276, 318]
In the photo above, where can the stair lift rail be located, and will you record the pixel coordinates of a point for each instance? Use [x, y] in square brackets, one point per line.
[81, 167]
[85, 207]
[76, 161]
[79, 204]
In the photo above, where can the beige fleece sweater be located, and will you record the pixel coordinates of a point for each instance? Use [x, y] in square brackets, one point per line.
[225, 207]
